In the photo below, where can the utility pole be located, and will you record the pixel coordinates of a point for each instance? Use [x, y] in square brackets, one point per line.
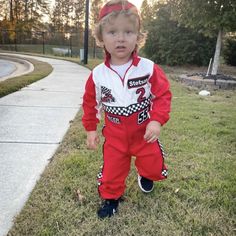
[43, 36]
[86, 32]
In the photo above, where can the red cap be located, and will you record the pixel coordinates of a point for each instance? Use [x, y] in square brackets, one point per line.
[107, 9]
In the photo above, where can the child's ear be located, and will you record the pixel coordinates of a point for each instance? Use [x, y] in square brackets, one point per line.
[101, 43]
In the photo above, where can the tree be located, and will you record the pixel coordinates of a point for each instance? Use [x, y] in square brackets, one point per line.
[94, 17]
[230, 50]
[212, 17]
[23, 14]
[148, 11]
[62, 15]
[169, 43]
[79, 16]
[94, 12]
[145, 13]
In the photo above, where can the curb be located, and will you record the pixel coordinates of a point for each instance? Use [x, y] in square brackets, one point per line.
[199, 82]
[22, 66]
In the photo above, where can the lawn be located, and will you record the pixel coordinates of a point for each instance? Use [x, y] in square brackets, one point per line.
[198, 198]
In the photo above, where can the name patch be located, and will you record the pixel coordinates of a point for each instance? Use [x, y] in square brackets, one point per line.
[138, 82]
[115, 120]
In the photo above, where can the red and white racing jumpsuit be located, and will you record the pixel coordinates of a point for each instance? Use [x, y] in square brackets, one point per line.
[129, 104]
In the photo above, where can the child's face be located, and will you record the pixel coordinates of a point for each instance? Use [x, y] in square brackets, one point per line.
[120, 38]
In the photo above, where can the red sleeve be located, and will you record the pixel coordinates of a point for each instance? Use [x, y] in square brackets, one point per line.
[161, 102]
[90, 106]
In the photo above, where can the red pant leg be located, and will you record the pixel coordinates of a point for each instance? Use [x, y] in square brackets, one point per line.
[150, 160]
[115, 168]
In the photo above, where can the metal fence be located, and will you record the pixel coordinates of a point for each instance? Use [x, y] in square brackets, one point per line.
[68, 44]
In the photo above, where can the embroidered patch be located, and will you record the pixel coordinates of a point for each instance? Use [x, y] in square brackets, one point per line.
[106, 95]
[137, 82]
[115, 120]
[142, 116]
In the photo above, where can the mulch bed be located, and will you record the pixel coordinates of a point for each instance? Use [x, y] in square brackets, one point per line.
[214, 77]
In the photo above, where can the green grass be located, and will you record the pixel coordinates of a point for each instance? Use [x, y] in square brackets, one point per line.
[41, 70]
[198, 198]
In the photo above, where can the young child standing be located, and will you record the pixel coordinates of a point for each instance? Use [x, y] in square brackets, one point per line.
[134, 94]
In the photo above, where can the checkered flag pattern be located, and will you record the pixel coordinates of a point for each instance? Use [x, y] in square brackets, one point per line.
[162, 149]
[164, 173]
[105, 90]
[99, 176]
[127, 111]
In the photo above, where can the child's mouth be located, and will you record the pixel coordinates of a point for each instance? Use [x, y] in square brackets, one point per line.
[120, 47]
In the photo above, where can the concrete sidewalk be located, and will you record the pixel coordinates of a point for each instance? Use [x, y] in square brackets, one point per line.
[33, 122]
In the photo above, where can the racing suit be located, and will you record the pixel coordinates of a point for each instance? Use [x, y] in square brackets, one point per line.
[129, 104]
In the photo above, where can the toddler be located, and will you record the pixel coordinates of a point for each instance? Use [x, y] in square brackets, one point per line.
[135, 96]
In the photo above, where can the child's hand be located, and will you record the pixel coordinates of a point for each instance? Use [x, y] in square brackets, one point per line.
[153, 130]
[92, 139]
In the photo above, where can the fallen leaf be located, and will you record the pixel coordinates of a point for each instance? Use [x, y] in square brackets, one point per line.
[80, 197]
[177, 190]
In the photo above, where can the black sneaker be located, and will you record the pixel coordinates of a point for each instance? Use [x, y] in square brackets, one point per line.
[108, 208]
[146, 185]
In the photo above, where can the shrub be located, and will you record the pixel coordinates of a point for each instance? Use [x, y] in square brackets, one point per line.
[229, 51]
[172, 44]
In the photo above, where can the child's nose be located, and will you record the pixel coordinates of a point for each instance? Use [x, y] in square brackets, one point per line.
[121, 36]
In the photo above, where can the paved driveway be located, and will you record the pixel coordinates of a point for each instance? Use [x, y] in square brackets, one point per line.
[6, 68]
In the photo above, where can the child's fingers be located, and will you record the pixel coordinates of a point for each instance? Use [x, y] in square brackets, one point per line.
[97, 140]
[91, 144]
[92, 140]
[150, 136]
[152, 139]
[147, 135]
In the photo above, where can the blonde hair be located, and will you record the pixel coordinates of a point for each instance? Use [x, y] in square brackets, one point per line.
[131, 13]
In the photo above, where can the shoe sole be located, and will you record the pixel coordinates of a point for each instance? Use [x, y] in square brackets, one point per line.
[140, 186]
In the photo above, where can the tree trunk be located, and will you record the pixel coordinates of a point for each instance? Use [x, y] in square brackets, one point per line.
[26, 11]
[217, 53]
[11, 11]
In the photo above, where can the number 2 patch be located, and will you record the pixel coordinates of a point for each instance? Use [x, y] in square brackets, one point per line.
[142, 116]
